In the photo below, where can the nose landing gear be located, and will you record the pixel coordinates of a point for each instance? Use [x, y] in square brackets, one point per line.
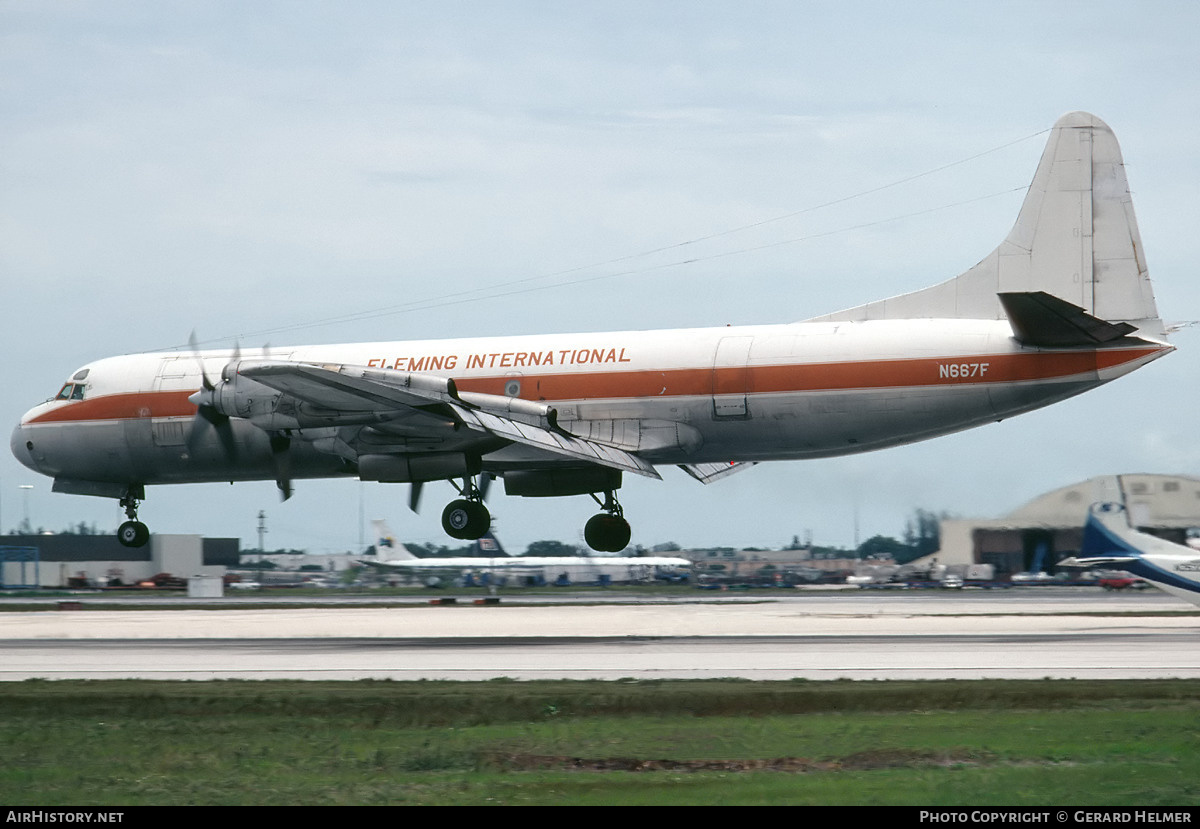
[132, 533]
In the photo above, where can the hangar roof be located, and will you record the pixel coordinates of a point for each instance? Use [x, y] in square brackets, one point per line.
[1153, 500]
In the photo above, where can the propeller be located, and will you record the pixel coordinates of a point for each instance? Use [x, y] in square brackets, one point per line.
[414, 494]
[282, 460]
[207, 414]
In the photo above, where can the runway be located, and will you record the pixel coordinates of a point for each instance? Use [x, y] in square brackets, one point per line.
[861, 635]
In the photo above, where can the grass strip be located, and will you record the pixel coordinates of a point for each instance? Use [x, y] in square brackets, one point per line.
[947, 743]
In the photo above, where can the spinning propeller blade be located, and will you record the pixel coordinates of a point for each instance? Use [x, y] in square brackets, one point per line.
[206, 413]
[281, 457]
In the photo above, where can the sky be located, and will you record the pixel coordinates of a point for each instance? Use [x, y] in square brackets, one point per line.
[317, 172]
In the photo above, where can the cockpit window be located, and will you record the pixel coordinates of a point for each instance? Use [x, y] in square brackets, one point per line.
[70, 391]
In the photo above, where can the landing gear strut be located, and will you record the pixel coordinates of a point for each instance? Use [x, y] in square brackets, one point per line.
[608, 531]
[132, 533]
[466, 518]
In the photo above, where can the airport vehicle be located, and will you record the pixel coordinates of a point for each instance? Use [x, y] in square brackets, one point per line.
[1063, 305]
[1109, 540]
[1120, 582]
[391, 555]
[1033, 577]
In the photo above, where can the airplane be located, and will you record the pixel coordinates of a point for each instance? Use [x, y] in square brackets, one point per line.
[1109, 540]
[391, 554]
[1064, 304]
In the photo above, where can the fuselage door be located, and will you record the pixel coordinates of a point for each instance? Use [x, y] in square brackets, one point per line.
[173, 374]
[731, 378]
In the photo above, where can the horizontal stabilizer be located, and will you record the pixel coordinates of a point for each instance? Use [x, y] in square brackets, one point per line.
[1095, 561]
[1043, 320]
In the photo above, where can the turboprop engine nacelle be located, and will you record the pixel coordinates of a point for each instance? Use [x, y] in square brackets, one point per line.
[241, 397]
[237, 395]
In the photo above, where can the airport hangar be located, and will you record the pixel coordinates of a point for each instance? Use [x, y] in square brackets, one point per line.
[1049, 528]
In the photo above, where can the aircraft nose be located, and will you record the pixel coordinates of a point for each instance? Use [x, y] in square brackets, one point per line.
[21, 447]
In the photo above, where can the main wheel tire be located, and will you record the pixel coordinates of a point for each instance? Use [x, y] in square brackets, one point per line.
[607, 533]
[133, 534]
[466, 520]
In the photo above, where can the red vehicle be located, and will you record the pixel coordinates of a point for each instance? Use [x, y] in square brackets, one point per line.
[1121, 583]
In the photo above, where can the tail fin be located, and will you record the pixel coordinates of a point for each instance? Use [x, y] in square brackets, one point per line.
[1075, 238]
[488, 546]
[1100, 542]
[387, 547]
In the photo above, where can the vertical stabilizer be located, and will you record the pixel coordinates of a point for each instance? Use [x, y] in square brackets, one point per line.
[387, 547]
[488, 546]
[1075, 238]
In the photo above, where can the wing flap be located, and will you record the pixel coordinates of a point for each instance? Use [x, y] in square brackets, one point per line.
[706, 473]
[553, 440]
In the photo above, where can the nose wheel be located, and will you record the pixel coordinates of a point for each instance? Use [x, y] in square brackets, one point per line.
[132, 533]
[608, 532]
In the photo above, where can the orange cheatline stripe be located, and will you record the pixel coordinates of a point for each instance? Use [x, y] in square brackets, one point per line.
[692, 382]
[803, 377]
[128, 406]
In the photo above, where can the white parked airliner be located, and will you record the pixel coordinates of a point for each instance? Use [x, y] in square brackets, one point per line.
[492, 558]
[1063, 305]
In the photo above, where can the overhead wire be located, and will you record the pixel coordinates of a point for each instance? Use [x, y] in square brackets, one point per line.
[524, 285]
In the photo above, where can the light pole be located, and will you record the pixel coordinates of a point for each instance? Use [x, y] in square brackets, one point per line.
[26, 527]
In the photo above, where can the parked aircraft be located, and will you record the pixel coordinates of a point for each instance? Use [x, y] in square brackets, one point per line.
[1063, 305]
[491, 557]
[1110, 541]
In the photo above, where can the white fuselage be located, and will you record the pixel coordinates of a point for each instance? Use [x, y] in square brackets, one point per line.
[751, 393]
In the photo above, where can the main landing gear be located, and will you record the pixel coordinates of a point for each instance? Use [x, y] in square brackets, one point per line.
[466, 518]
[132, 533]
[608, 531]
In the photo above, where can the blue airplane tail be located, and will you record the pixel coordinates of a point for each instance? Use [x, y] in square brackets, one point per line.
[1099, 541]
[488, 546]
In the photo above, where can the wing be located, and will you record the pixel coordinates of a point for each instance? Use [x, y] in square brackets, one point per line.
[392, 394]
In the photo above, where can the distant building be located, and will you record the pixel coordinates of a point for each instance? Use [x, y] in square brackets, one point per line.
[756, 563]
[1050, 527]
[101, 559]
[327, 562]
